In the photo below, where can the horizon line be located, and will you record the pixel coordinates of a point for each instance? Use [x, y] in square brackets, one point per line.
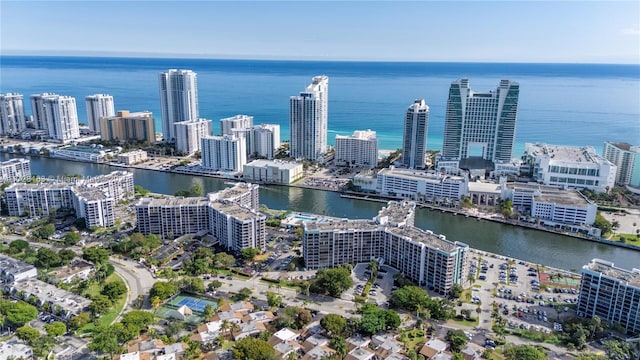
[238, 57]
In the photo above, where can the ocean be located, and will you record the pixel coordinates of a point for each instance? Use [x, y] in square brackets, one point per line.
[567, 104]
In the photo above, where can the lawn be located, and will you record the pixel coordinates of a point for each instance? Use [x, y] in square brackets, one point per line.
[631, 239]
[110, 316]
[464, 322]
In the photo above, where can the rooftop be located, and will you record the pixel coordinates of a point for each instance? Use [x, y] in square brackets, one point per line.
[235, 210]
[50, 293]
[484, 187]
[567, 197]
[631, 277]
[15, 350]
[398, 213]
[170, 201]
[12, 162]
[420, 175]
[232, 193]
[585, 154]
[72, 269]
[360, 135]
[274, 163]
[9, 265]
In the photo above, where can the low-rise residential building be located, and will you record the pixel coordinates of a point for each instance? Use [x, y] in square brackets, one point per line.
[357, 150]
[360, 353]
[433, 347]
[15, 270]
[132, 157]
[424, 257]
[611, 293]
[79, 269]
[417, 185]
[273, 171]
[568, 166]
[11, 350]
[60, 302]
[15, 170]
[80, 153]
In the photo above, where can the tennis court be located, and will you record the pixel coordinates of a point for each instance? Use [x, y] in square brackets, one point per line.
[193, 303]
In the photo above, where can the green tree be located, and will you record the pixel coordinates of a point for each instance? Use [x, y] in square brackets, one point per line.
[79, 321]
[603, 224]
[243, 294]
[249, 348]
[47, 258]
[18, 246]
[174, 328]
[196, 190]
[163, 290]
[72, 238]
[339, 344]
[18, 313]
[140, 191]
[409, 298]
[105, 340]
[100, 304]
[332, 281]
[247, 254]
[96, 255]
[524, 352]
[66, 256]
[114, 290]
[456, 290]
[590, 356]
[135, 321]
[214, 284]
[223, 260]
[457, 339]
[617, 349]
[209, 311]
[56, 329]
[46, 231]
[273, 299]
[27, 333]
[334, 324]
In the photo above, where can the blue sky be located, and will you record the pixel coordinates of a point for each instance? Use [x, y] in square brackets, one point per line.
[516, 31]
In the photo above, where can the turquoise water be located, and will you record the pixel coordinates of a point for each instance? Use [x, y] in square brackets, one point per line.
[571, 104]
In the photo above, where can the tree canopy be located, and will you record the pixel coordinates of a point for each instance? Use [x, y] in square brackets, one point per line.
[27, 333]
[457, 339]
[163, 290]
[332, 281]
[524, 352]
[18, 313]
[249, 348]
[96, 255]
[56, 328]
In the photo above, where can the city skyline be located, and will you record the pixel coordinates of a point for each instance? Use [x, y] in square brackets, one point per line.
[600, 32]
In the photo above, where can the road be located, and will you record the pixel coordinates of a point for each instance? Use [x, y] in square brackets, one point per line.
[137, 277]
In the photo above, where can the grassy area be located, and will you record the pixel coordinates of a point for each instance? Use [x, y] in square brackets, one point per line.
[464, 322]
[412, 338]
[631, 239]
[110, 316]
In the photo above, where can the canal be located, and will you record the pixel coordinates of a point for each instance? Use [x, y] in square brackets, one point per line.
[526, 244]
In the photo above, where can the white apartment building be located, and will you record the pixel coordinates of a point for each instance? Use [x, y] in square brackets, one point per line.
[612, 293]
[265, 140]
[568, 166]
[224, 153]
[480, 124]
[12, 269]
[221, 214]
[421, 186]
[178, 99]
[96, 207]
[273, 171]
[237, 227]
[308, 117]
[414, 140]
[12, 117]
[15, 170]
[61, 115]
[80, 153]
[623, 155]
[99, 106]
[426, 258]
[117, 184]
[37, 107]
[359, 149]
[133, 157]
[236, 122]
[188, 135]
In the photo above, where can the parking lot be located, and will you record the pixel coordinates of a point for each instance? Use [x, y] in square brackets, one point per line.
[381, 289]
[516, 289]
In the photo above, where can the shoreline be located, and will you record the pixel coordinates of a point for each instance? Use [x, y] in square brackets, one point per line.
[359, 196]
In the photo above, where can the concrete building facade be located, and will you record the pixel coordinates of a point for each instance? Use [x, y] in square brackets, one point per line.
[623, 155]
[178, 99]
[224, 153]
[12, 116]
[480, 124]
[127, 126]
[61, 116]
[15, 170]
[414, 140]
[188, 135]
[99, 106]
[569, 166]
[391, 238]
[308, 117]
[273, 171]
[611, 293]
[359, 149]
[132, 157]
[265, 140]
